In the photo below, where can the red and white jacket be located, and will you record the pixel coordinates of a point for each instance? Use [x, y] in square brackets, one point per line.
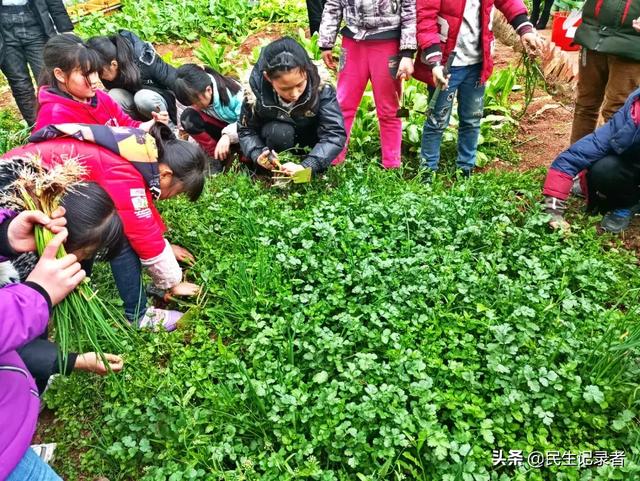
[438, 25]
[142, 223]
[60, 109]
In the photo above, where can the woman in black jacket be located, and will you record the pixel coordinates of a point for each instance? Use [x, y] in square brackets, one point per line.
[135, 75]
[288, 105]
[25, 26]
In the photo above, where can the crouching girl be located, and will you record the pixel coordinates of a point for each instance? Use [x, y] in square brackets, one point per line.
[214, 108]
[135, 169]
[288, 105]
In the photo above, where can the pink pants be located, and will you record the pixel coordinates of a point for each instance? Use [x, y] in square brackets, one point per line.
[360, 62]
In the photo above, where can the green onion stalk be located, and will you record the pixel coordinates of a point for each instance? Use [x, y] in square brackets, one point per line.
[82, 320]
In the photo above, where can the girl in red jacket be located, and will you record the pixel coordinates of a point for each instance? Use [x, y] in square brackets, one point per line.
[463, 27]
[135, 170]
[69, 89]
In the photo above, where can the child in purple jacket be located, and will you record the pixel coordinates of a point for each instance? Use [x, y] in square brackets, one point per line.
[24, 312]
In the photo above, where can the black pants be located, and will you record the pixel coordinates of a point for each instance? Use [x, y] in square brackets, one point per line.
[614, 183]
[314, 10]
[284, 137]
[40, 356]
[24, 42]
[540, 17]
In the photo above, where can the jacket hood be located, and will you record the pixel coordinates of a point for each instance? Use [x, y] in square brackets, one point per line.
[144, 52]
[48, 95]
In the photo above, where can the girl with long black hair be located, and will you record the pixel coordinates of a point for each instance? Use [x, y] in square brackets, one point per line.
[214, 102]
[135, 75]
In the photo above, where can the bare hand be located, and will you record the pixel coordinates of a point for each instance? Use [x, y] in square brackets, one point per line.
[57, 276]
[439, 78]
[636, 24]
[405, 69]
[222, 148]
[162, 117]
[182, 254]
[92, 362]
[532, 43]
[21, 228]
[558, 223]
[268, 159]
[185, 289]
[327, 57]
[291, 168]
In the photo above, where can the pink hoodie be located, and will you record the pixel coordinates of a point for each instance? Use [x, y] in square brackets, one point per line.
[59, 109]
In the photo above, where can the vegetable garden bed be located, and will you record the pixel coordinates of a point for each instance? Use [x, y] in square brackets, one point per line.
[368, 327]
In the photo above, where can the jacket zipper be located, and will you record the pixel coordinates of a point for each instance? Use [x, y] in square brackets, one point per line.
[24, 373]
[288, 112]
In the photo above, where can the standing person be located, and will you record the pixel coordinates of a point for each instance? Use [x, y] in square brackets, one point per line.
[314, 10]
[540, 13]
[69, 89]
[25, 27]
[135, 75]
[609, 61]
[463, 27]
[378, 43]
[214, 103]
[609, 160]
[289, 105]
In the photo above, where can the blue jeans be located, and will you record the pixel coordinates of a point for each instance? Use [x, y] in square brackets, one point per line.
[127, 272]
[32, 468]
[466, 82]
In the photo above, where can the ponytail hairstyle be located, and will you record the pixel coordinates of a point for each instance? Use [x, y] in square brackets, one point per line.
[119, 49]
[192, 80]
[67, 52]
[185, 159]
[284, 55]
[92, 220]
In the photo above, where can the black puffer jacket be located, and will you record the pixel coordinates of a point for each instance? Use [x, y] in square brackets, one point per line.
[155, 73]
[51, 15]
[317, 110]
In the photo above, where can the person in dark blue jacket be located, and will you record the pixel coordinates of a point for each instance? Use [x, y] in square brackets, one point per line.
[607, 163]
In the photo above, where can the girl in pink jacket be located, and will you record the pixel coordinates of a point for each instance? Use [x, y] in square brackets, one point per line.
[378, 44]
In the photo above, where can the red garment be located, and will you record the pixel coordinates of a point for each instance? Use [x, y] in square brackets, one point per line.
[143, 225]
[206, 141]
[56, 109]
[438, 25]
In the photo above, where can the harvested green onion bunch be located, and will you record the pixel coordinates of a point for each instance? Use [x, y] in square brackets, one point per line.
[81, 321]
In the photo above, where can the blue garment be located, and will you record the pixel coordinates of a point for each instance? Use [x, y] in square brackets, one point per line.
[127, 272]
[32, 468]
[465, 81]
[227, 113]
[618, 135]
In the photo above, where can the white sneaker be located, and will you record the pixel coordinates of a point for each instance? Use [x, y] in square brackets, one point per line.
[45, 451]
[155, 318]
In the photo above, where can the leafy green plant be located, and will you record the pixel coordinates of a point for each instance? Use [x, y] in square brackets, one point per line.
[13, 132]
[569, 5]
[214, 56]
[370, 328]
